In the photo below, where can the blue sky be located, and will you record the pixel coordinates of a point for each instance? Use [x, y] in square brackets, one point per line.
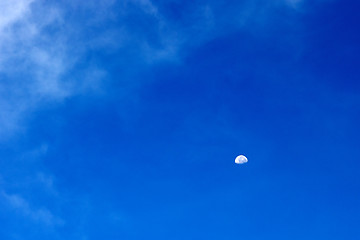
[122, 119]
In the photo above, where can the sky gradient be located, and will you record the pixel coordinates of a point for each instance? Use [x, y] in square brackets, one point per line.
[122, 119]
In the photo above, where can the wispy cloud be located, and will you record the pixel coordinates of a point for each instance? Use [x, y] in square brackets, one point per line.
[44, 48]
[13, 11]
[36, 59]
[22, 207]
[25, 187]
[294, 3]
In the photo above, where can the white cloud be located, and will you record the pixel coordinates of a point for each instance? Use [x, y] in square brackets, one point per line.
[13, 11]
[35, 62]
[23, 208]
[40, 47]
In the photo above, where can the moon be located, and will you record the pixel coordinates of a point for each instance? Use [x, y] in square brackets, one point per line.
[241, 159]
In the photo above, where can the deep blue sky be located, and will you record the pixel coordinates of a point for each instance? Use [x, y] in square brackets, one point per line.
[122, 119]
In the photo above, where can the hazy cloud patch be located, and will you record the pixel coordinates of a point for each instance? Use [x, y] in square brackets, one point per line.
[22, 207]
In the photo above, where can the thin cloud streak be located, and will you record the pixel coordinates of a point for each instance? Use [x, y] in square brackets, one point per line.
[21, 206]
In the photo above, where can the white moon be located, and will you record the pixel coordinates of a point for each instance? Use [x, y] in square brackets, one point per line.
[241, 159]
